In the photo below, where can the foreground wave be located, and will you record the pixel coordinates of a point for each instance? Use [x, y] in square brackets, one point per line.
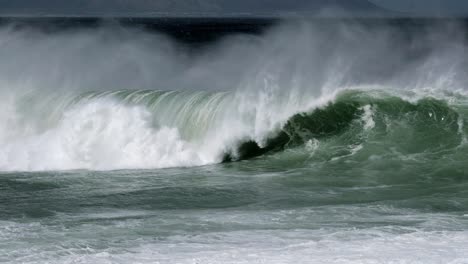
[156, 129]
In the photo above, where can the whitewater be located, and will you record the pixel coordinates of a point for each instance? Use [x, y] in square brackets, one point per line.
[313, 142]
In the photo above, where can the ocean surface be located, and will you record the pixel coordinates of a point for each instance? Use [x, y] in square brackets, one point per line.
[233, 141]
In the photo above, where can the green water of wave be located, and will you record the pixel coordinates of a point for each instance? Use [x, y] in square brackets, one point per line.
[380, 123]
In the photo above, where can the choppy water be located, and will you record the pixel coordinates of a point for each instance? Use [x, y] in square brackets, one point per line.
[287, 155]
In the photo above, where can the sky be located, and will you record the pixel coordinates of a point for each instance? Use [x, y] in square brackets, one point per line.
[226, 7]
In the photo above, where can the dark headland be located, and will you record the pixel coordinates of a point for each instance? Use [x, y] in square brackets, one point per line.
[188, 30]
[193, 30]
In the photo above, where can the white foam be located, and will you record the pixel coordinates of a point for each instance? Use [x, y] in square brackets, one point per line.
[99, 135]
[368, 117]
[299, 246]
[312, 146]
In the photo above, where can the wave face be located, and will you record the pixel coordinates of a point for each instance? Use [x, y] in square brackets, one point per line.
[372, 122]
[115, 97]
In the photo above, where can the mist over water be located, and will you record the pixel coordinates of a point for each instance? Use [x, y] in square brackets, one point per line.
[338, 141]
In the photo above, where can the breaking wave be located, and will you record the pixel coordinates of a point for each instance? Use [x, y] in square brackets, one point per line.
[113, 97]
[155, 129]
